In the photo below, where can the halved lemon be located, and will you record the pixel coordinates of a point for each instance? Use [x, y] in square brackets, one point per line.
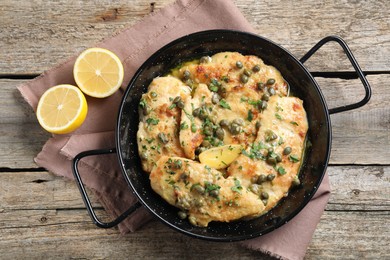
[220, 157]
[62, 109]
[98, 72]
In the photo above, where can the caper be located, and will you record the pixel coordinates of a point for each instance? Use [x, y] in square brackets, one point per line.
[244, 78]
[239, 64]
[146, 110]
[193, 128]
[235, 129]
[270, 81]
[215, 141]
[199, 150]
[262, 178]
[258, 124]
[182, 215]
[189, 82]
[178, 164]
[271, 91]
[270, 136]
[270, 150]
[263, 105]
[176, 99]
[215, 98]
[184, 176]
[255, 188]
[224, 122]
[199, 189]
[271, 160]
[265, 202]
[256, 68]
[278, 158]
[296, 182]
[163, 138]
[247, 72]
[153, 94]
[223, 92]
[270, 177]
[205, 59]
[208, 130]
[265, 97]
[260, 85]
[180, 104]
[214, 193]
[254, 179]
[238, 121]
[203, 114]
[264, 195]
[144, 156]
[220, 133]
[287, 150]
[206, 143]
[196, 111]
[192, 220]
[198, 202]
[186, 74]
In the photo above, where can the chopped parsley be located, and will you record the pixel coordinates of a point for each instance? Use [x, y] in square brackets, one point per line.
[183, 126]
[250, 116]
[224, 104]
[237, 186]
[225, 79]
[142, 103]
[281, 170]
[244, 99]
[210, 186]
[255, 151]
[293, 158]
[214, 85]
[294, 123]
[172, 106]
[278, 116]
[152, 121]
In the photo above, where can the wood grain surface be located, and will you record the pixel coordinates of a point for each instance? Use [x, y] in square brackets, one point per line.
[43, 216]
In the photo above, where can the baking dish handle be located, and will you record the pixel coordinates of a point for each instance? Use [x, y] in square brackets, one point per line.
[355, 65]
[84, 194]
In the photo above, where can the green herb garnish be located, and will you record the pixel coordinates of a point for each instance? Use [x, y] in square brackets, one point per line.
[293, 158]
[224, 104]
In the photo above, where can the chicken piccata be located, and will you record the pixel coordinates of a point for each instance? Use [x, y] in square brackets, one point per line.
[220, 137]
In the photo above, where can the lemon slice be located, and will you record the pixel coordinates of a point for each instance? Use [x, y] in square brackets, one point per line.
[62, 109]
[98, 72]
[220, 157]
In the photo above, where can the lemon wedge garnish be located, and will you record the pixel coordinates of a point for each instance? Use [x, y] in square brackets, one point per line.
[220, 157]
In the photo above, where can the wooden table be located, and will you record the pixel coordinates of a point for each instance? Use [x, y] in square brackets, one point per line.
[42, 215]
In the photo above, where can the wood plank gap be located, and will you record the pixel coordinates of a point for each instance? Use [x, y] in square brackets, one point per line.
[358, 165]
[18, 76]
[7, 169]
[345, 74]
[357, 210]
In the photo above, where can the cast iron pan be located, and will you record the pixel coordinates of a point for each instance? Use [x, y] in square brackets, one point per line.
[302, 85]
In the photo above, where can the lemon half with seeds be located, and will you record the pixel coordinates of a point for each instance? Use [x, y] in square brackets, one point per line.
[62, 109]
[98, 72]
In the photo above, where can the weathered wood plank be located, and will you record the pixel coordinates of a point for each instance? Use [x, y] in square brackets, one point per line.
[38, 36]
[69, 234]
[352, 188]
[361, 136]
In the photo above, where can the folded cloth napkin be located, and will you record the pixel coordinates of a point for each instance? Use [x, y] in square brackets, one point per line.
[103, 176]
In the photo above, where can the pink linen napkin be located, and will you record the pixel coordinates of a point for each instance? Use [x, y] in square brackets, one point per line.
[103, 176]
